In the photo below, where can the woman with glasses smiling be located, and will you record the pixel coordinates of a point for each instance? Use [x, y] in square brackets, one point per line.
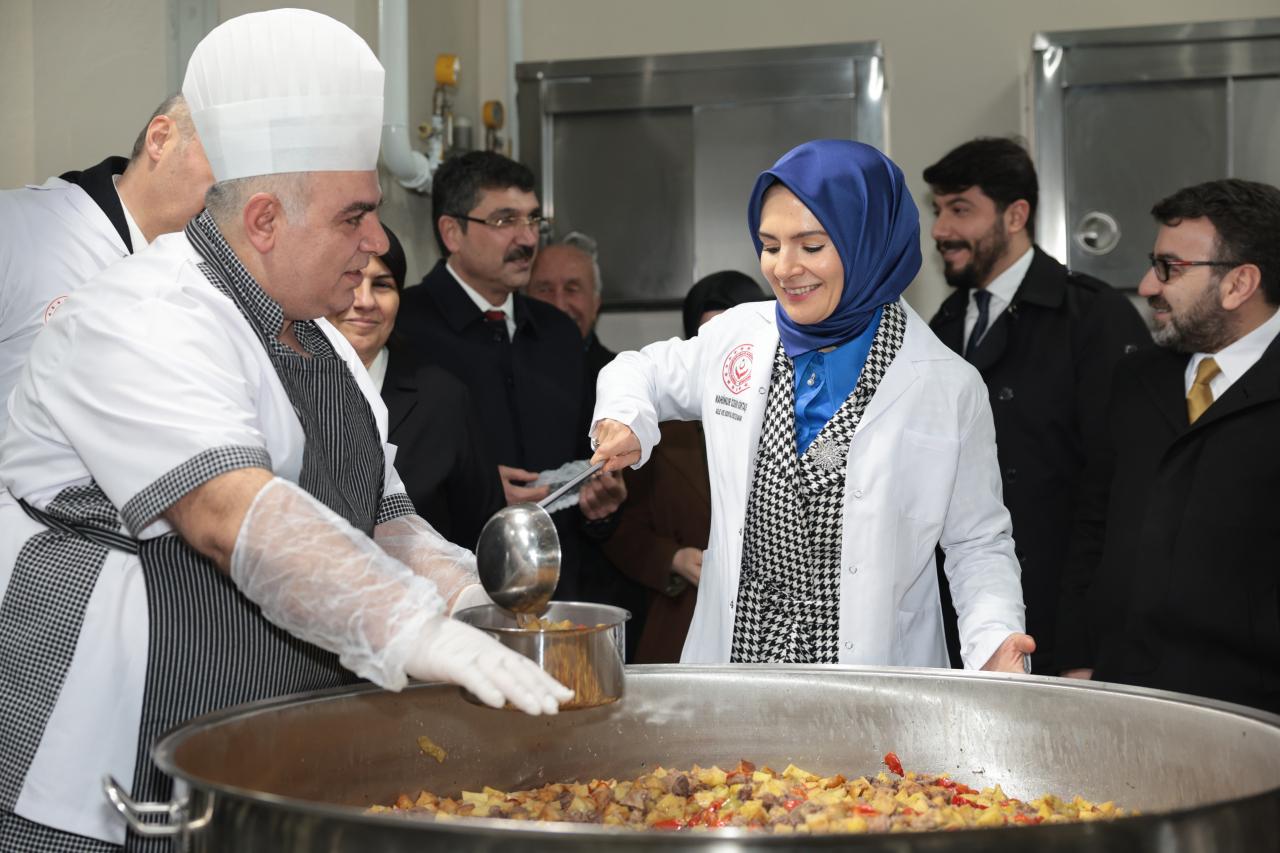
[844, 440]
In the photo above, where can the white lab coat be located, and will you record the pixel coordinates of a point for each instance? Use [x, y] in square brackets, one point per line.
[921, 470]
[137, 374]
[53, 238]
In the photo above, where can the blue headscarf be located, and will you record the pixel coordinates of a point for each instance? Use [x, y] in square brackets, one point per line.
[860, 197]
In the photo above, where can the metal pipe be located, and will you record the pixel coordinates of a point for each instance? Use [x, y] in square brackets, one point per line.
[410, 168]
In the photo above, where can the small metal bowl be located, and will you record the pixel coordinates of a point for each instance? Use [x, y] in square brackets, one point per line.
[586, 660]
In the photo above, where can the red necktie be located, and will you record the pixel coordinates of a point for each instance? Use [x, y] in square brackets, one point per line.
[495, 316]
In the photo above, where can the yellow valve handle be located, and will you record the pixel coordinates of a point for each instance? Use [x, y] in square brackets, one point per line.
[493, 115]
[447, 68]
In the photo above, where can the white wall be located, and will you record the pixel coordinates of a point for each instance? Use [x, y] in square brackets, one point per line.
[17, 93]
[78, 79]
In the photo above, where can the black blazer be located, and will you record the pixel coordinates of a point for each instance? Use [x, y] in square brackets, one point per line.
[527, 391]
[1048, 361]
[447, 471]
[1173, 581]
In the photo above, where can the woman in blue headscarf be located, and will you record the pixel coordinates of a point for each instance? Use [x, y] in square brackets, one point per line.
[844, 441]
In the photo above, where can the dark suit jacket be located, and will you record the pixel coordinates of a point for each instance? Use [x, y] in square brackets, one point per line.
[1047, 361]
[447, 471]
[526, 390]
[1173, 582]
[668, 508]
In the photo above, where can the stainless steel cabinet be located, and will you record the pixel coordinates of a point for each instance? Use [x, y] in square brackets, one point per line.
[655, 156]
[1125, 117]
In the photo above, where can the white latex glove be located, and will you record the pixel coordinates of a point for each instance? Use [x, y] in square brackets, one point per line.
[458, 653]
[319, 578]
[414, 542]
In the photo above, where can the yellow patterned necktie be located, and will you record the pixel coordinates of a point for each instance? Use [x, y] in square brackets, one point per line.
[1200, 397]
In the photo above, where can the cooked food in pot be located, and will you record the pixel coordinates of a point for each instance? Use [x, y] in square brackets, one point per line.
[793, 801]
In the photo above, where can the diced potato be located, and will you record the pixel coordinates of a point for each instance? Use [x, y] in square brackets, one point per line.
[991, 817]
[711, 776]
[793, 772]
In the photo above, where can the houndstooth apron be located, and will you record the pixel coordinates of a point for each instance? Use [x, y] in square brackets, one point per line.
[209, 647]
[788, 606]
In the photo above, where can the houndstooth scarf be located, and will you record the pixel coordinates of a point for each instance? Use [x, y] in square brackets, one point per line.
[789, 593]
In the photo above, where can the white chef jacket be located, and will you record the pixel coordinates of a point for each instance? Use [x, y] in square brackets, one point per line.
[135, 375]
[53, 238]
[921, 470]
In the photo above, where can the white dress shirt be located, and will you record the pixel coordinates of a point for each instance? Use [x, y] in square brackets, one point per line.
[378, 368]
[1236, 359]
[508, 308]
[1002, 290]
[136, 237]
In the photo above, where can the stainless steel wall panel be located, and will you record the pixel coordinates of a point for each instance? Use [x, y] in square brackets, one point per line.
[1255, 130]
[1188, 61]
[1126, 116]
[627, 180]
[817, 79]
[1127, 147]
[655, 156]
[732, 145]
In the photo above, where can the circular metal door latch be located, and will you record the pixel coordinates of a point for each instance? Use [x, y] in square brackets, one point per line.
[1098, 233]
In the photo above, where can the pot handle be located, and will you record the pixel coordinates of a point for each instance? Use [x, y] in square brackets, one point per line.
[132, 811]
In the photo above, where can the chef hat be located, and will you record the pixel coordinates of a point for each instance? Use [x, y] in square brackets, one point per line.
[287, 90]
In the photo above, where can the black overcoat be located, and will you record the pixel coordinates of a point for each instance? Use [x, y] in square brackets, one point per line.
[1174, 580]
[440, 453]
[527, 390]
[1047, 361]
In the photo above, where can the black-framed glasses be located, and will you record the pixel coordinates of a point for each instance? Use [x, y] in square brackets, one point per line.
[1163, 265]
[506, 222]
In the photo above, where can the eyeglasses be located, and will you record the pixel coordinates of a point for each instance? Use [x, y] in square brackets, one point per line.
[505, 223]
[1163, 265]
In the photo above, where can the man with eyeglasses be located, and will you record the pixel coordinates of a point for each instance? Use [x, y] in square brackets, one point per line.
[1046, 341]
[521, 359]
[1173, 580]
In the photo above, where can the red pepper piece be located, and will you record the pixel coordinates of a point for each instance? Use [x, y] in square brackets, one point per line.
[866, 810]
[909, 810]
[790, 804]
[943, 782]
[958, 800]
[891, 761]
[673, 823]
[1030, 821]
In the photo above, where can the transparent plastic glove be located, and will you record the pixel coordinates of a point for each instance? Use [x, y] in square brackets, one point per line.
[414, 542]
[460, 654]
[319, 578]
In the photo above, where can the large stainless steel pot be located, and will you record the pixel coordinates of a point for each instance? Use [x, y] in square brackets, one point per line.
[295, 774]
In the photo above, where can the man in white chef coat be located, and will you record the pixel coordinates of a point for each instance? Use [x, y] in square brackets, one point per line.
[56, 236]
[198, 506]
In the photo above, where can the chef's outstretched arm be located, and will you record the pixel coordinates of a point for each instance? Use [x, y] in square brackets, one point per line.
[319, 578]
[414, 542]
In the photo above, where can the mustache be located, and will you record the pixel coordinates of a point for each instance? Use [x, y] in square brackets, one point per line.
[944, 245]
[518, 253]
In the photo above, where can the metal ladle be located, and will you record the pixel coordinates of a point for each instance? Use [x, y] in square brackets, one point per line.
[518, 555]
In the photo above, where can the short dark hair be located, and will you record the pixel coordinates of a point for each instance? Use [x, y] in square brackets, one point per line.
[1246, 215]
[1001, 168]
[457, 185]
[175, 107]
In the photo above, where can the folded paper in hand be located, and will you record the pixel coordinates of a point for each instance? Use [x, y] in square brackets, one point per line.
[557, 477]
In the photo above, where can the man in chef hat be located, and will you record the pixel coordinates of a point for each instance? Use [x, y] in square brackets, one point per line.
[198, 505]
